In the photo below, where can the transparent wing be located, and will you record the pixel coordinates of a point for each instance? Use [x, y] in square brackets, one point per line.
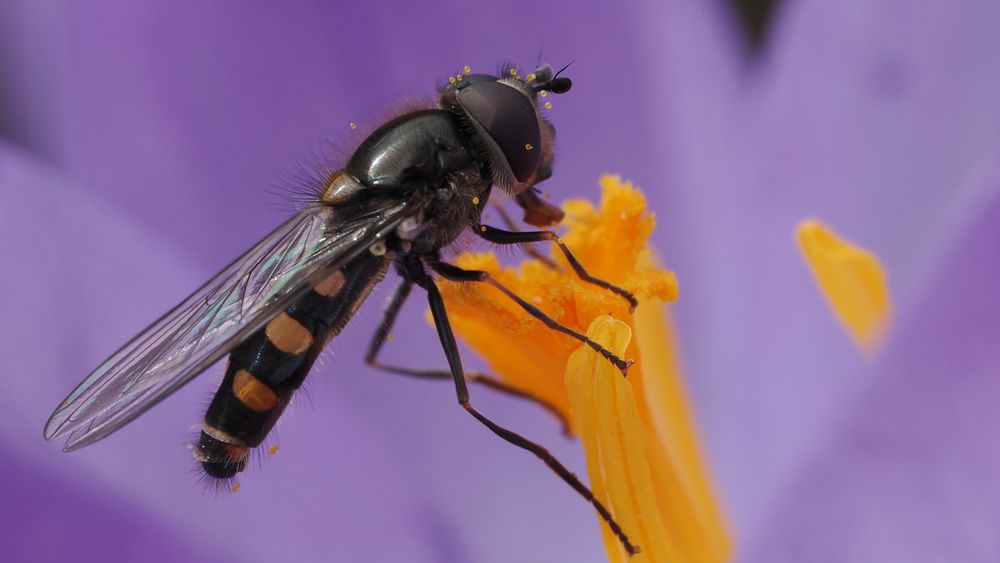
[239, 300]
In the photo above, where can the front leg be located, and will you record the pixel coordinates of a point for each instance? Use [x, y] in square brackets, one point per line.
[454, 273]
[500, 236]
[447, 339]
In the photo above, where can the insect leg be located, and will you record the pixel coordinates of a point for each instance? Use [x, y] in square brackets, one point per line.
[500, 236]
[389, 318]
[455, 362]
[529, 250]
[454, 273]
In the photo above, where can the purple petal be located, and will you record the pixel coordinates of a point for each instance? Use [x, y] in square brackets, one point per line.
[909, 473]
[48, 518]
[880, 119]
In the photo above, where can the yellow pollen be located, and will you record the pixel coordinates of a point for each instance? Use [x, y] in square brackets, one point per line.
[353, 125]
[543, 93]
[236, 486]
[851, 279]
[273, 450]
[458, 78]
[389, 337]
[531, 77]
[528, 146]
[548, 105]
[451, 79]
[513, 72]
[467, 69]
[475, 200]
[482, 228]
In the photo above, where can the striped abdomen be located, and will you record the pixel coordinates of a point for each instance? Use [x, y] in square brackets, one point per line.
[266, 369]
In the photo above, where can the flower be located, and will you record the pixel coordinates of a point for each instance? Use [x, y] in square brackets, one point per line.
[139, 145]
[643, 452]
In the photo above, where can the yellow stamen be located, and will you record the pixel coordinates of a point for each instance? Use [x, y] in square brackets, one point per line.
[605, 408]
[273, 450]
[467, 69]
[851, 279]
[639, 433]
[353, 125]
[236, 486]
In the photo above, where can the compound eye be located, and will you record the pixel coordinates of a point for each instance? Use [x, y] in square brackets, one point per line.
[508, 117]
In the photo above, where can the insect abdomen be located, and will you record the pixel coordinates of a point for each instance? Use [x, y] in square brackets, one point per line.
[266, 369]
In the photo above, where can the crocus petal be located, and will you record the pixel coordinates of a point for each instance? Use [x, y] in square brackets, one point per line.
[909, 474]
[882, 122]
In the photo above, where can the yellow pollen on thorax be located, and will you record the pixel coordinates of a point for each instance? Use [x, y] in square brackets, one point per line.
[851, 279]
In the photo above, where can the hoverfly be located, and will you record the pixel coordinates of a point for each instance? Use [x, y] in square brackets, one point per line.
[408, 190]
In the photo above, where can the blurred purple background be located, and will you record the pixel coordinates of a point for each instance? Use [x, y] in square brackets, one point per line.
[139, 142]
